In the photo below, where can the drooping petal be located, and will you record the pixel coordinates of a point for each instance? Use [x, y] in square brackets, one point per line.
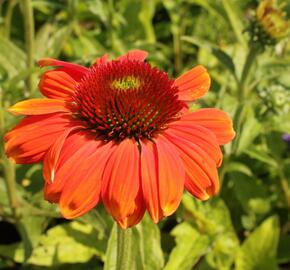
[150, 183]
[121, 180]
[52, 156]
[57, 84]
[193, 84]
[137, 214]
[138, 55]
[171, 176]
[67, 162]
[33, 136]
[163, 177]
[82, 191]
[39, 106]
[201, 167]
[215, 120]
[74, 70]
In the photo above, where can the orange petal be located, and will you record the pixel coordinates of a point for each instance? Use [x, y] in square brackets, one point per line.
[53, 154]
[150, 183]
[74, 70]
[121, 180]
[137, 214]
[193, 84]
[82, 191]
[171, 175]
[39, 106]
[102, 60]
[200, 136]
[66, 164]
[215, 120]
[57, 84]
[202, 177]
[33, 136]
[137, 55]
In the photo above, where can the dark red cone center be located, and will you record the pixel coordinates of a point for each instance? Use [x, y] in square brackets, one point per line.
[127, 99]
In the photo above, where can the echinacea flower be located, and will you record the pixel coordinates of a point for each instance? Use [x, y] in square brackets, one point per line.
[120, 132]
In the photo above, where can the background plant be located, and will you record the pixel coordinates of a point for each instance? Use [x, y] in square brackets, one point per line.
[247, 226]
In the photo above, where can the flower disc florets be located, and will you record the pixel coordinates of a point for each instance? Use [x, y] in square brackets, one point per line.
[127, 99]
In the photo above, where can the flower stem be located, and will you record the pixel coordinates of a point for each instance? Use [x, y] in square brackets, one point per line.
[8, 17]
[284, 184]
[8, 166]
[243, 92]
[124, 249]
[251, 57]
[9, 173]
[29, 40]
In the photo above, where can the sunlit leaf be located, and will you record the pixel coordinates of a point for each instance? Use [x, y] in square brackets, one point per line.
[260, 248]
[190, 246]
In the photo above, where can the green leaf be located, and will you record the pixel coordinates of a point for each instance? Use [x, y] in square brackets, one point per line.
[12, 59]
[222, 56]
[224, 59]
[30, 228]
[190, 247]
[283, 249]
[72, 242]
[259, 250]
[212, 7]
[213, 219]
[234, 16]
[251, 193]
[50, 40]
[262, 156]
[250, 130]
[238, 167]
[148, 236]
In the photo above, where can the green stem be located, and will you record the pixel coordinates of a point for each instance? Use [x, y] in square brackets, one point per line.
[243, 92]
[177, 50]
[284, 184]
[111, 27]
[8, 17]
[251, 57]
[9, 177]
[8, 166]
[124, 249]
[29, 40]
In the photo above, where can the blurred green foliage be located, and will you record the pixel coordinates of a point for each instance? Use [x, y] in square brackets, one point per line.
[247, 226]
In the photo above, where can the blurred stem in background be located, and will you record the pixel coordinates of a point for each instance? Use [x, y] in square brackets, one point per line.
[284, 183]
[29, 40]
[176, 14]
[8, 17]
[250, 60]
[110, 29]
[9, 168]
[243, 93]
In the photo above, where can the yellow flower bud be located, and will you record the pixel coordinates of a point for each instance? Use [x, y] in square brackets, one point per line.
[272, 18]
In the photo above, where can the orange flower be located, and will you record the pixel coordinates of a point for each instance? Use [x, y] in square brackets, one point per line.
[120, 132]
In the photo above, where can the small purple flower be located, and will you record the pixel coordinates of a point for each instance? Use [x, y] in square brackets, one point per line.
[286, 137]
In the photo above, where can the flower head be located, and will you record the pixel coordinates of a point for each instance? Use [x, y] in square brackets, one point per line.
[272, 19]
[120, 132]
[269, 25]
